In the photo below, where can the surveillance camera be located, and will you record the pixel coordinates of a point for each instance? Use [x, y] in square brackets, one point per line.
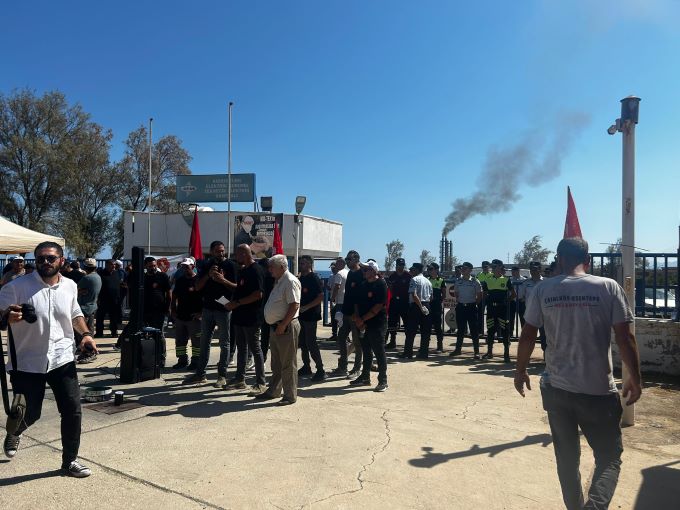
[612, 129]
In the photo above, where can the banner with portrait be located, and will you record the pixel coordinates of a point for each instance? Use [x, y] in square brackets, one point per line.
[257, 231]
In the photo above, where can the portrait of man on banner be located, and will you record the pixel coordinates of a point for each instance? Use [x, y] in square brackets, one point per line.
[257, 230]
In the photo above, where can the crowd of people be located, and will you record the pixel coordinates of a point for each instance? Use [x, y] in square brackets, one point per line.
[260, 309]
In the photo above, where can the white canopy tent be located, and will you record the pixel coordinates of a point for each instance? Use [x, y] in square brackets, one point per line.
[17, 239]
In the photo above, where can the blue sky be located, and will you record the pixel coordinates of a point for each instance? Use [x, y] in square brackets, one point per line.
[382, 112]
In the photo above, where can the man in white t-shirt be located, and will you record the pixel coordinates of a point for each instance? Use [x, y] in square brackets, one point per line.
[578, 311]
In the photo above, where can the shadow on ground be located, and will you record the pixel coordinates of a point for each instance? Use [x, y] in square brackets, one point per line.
[660, 484]
[431, 459]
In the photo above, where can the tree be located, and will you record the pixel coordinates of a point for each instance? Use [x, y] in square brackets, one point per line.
[169, 159]
[87, 214]
[38, 141]
[395, 249]
[426, 259]
[532, 250]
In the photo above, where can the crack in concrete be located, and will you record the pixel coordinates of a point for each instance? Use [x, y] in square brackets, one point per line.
[364, 468]
[205, 504]
[467, 408]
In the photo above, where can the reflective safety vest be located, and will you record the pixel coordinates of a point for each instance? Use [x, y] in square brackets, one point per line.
[497, 288]
[437, 285]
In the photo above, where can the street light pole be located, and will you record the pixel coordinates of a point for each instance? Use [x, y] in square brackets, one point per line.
[229, 236]
[148, 246]
[626, 125]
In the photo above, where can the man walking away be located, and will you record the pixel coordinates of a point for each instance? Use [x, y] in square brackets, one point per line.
[579, 311]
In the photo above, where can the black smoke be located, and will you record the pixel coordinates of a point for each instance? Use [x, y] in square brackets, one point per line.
[534, 160]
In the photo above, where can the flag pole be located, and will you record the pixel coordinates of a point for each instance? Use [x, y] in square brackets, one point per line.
[229, 236]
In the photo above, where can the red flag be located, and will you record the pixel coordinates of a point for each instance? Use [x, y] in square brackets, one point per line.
[278, 245]
[195, 246]
[571, 224]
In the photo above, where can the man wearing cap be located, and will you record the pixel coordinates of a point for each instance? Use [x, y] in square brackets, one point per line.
[185, 309]
[419, 296]
[579, 312]
[16, 270]
[482, 277]
[525, 291]
[498, 292]
[354, 279]
[468, 292]
[398, 283]
[371, 304]
[438, 289]
[88, 292]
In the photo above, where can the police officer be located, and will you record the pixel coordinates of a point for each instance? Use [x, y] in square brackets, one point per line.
[398, 283]
[498, 292]
[468, 292]
[438, 288]
[516, 280]
[482, 277]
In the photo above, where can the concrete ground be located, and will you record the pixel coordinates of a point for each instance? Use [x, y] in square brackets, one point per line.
[447, 434]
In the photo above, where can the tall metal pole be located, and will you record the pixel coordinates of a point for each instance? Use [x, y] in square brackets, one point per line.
[629, 111]
[297, 243]
[148, 246]
[229, 236]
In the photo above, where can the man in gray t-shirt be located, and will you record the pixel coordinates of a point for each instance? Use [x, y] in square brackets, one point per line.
[88, 291]
[578, 312]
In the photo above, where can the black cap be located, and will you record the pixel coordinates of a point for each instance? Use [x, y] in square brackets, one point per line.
[514, 268]
[486, 263]
[433, 265]
[401, 262]
[467, 264]
[534, 264]
[496, 262]
[418, 266]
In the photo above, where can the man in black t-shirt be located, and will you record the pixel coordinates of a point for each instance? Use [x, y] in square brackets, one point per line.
[247, 316]
[185, 310]
[354, 279]
[156, 294]
[371, 302]
[108, 301]
[398, 283]
[216, 281]
[310, 315]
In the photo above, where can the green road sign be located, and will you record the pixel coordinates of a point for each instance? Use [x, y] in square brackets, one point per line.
[214, 188]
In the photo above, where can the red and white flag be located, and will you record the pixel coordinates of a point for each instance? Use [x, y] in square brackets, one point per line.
[195, 246]
[278, 244]
[571, 224]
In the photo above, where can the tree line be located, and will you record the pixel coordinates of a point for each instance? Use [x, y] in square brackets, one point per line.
[58, 176]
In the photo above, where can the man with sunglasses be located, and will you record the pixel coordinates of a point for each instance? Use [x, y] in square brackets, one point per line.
[44, 347]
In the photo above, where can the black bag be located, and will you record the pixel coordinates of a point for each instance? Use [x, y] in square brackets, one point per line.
[142, 355]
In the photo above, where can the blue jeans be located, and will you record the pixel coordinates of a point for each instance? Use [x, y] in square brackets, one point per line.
[209, 319]
[598, 416]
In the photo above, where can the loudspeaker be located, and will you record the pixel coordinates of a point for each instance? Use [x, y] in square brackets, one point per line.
[142, 354]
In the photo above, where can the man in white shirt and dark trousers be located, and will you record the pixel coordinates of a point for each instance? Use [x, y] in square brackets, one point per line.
[419, 296]
[281, 314]
[44, 347]
[579, 311]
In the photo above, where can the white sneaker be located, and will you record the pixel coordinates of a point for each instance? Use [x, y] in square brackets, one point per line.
[221, 382]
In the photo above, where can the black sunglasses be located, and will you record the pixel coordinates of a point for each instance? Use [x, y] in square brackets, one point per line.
[47, 258]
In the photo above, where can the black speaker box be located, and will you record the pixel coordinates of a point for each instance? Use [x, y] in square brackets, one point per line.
[142, 354]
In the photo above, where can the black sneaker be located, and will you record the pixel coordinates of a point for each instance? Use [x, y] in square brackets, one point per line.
[403, 355]
[381, 387]
[454, 353]
[195, 379]
[360, 381]
[488, 355]
[304, 371]
[319, 376]
[181, 363]
[192, 366]
[391, 345]
[76, 470]
[11, 445]
[341, 372]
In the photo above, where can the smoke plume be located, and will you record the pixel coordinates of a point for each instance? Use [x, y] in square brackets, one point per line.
[535, 160]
